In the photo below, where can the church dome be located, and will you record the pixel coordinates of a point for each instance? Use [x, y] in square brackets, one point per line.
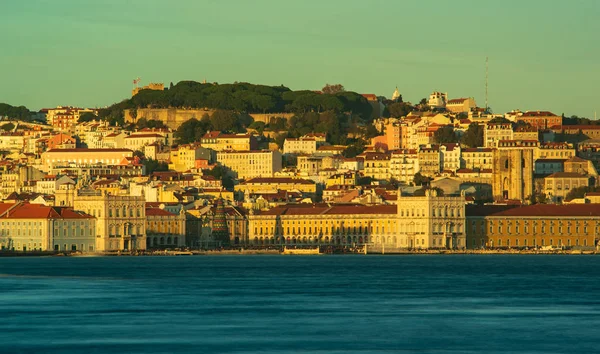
[396, 94]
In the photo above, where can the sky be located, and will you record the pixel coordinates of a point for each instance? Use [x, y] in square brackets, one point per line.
[543, 55]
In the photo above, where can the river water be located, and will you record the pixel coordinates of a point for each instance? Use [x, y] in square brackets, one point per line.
[301, 304]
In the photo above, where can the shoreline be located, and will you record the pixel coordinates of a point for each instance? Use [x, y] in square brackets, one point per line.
[246, 252]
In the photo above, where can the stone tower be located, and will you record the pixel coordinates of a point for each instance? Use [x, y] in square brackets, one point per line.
[512, 176]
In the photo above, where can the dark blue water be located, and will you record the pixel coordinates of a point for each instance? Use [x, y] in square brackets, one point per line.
[296, 304]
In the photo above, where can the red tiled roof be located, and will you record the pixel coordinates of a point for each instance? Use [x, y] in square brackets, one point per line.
[477, 149]
[39, 211]
[566, 175]
[149, 135]
[157, 212]
[541, 210]
[277, 180]
[336, 209]
[89, 150]
[457, 100]
[538, 114]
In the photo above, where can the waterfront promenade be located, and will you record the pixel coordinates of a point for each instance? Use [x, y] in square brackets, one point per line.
[273, 251]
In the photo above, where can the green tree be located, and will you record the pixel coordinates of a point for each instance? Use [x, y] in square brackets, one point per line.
[499, 120]
[13, 112]
[421, 192]
[187, 131]
[280, 139]
[420, 180]
[258, 126]
[580, 192]
[445, 135]
[473, 137]
[149, 123]
[154, 166]
[87, 117]
[225, 120]
[221, 173]
[7, 126]
[399, 109]
[333, 89]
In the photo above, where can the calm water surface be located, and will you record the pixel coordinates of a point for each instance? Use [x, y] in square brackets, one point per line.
[301, 304]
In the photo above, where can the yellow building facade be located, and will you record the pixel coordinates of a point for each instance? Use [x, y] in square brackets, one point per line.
[533, 226]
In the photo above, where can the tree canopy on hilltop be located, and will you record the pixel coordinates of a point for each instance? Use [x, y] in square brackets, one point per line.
[20, 113]
[246, 98]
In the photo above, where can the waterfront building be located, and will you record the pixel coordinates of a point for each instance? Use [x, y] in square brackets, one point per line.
[323, 224]
[431, 221]
[539, 225]
[121, 219]
[164, 228]
[36, 227]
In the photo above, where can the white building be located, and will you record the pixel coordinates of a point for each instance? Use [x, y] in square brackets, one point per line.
[431, 221]
[437, 100]
[249, 164]
[404, 164]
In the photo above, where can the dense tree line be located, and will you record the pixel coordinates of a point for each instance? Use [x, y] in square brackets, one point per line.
[575, 120]
[473, 137]
[20, 113]
[580, 192]
[244, 97]
[445, 135]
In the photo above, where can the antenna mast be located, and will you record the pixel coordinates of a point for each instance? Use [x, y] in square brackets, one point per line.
[486, 85]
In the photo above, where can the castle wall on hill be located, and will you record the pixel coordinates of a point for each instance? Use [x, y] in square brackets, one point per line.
[174, 117]
[267, 117]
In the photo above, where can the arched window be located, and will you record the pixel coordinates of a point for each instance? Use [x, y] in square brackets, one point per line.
[506, 163]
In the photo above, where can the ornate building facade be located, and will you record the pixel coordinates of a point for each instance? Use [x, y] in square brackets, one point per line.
[431, 221]
[121, 219]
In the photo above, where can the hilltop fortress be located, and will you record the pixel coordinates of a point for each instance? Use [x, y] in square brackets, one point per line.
[174, 117]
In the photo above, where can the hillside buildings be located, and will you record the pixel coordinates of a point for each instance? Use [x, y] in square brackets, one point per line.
[249, 164]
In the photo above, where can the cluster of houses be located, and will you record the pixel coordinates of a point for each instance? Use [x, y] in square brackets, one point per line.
[87, 186]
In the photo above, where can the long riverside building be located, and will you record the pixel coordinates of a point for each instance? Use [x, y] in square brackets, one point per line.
[428, 221]
[541, 225]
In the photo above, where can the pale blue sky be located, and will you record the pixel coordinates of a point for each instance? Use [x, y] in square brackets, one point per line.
[543, 54]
